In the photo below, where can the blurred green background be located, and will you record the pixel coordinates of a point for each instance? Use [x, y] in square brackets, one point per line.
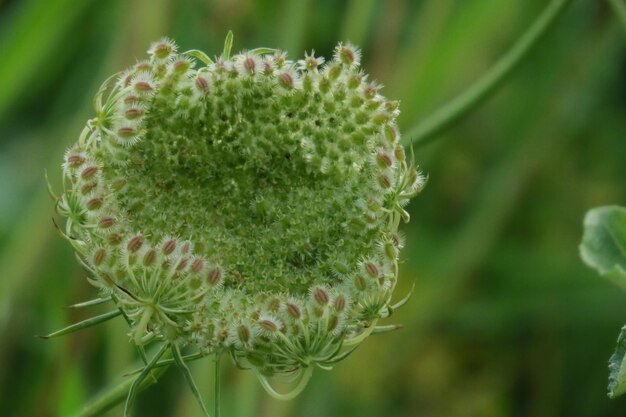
[505, 319]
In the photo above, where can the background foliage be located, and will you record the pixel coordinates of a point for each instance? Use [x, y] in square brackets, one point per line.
[505, 319]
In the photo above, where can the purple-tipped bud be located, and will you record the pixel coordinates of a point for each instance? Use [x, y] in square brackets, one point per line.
[320, 296]
[99, 256]
[135, 243]
[269, 323]
[383, 159]
[243, 333]
[181, 66]
[397, 240]
[197, 265]
[182, 263]
[370, 91]
[202, 84]
[106, 222]
[222, 335]
[249, 64]
[126, 132]
[340, 303]
[131, 99]
[89, 172]
[348, 55]
[215, 275]
[133, 113]
[371, 269]
[143, 86]
[143, 66]
[75, 160]
[293, 310]
[186, 247]
[114, 238]
[162, 49]
[285, 79]
[94, 204]
[149, 257]
[384, 181]
[169, 246]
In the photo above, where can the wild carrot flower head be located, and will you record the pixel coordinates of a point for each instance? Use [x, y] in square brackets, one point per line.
[248, 205]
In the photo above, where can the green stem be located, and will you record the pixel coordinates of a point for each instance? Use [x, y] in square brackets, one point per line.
[116, 394]
[619, 7]
[427, 130]
[217, 384]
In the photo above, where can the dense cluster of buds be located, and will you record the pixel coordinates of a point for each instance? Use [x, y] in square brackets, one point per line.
[248, 206]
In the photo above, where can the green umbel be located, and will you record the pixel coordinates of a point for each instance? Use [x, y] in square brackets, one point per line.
[250, 205]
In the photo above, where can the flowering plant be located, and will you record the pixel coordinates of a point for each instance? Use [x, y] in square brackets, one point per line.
[249, 206]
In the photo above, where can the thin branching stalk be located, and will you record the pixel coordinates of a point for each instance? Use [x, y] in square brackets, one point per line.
[427, 130]
[116, 394]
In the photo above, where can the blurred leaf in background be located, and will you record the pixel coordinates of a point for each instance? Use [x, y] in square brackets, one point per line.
[505, 320]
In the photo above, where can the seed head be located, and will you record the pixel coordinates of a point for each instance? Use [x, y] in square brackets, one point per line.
[249, 205]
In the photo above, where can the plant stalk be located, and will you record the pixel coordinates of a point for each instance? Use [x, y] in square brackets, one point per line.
[427, 130]
[116, 394]
[217, 384]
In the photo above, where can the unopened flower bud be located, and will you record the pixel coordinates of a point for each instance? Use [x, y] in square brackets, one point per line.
[135, 243]
[320, 296]
[215, 276]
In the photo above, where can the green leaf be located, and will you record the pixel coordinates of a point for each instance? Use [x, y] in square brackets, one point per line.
[617, 367]
[603, 245]
[604, 248]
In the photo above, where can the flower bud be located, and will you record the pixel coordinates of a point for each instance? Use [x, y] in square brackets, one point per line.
[348, 54]
[339, 303]
[285, 79]
[320, 296]
[169, 246]
[162, 49]
[106, 222]
[371, 269]
[99, 256]
[293, 310]
[215, 276]
[135, 243]
[94, 203]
